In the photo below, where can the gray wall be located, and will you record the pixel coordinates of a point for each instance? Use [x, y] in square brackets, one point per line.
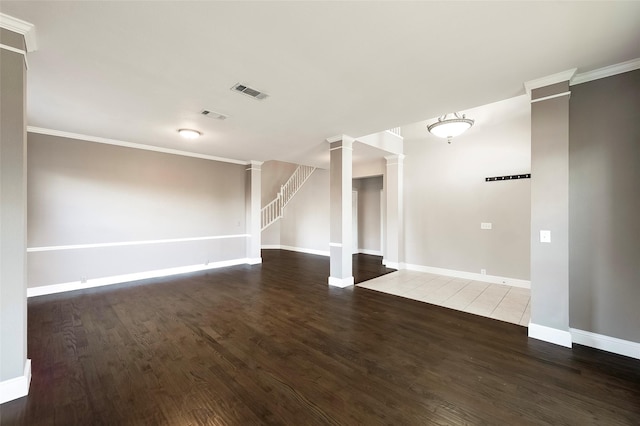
[604, 201]
[274, 175]
[306, 218]
[369, 220]
[446, 197]
[87, 193]
[13, 230]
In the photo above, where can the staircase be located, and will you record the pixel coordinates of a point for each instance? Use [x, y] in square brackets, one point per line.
[274, 210]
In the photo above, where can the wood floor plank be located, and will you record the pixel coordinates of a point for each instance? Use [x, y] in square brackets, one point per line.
[274, 344]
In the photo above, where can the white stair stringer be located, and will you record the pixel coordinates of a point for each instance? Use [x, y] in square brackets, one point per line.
[274, 210]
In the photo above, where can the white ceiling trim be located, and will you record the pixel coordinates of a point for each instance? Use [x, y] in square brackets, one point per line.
[19, 26]
[608, 71]
[20, 51]
[12, 49]
[546, 98]
[549, 80]
[133, 145]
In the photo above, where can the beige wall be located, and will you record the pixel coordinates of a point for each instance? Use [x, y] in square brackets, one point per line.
[446, 196]
[87, 193]
[274, 175]
[306, 218]
[13, 229]
[369, 216]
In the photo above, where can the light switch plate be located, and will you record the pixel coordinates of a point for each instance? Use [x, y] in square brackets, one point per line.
[485, 225]
[545, 236]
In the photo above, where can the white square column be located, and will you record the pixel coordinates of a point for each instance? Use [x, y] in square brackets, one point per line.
[550, 209]
[253, 195]
[340, 239]
[15, 368]
[394, 190]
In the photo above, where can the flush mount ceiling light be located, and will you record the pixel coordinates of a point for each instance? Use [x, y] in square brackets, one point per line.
[450, 127]
[189, 134]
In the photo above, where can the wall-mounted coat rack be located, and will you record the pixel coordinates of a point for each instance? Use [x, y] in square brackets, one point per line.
[493, 179]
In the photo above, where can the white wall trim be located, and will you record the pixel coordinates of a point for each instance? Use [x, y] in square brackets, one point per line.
[394, 265]
[493, 279]
[606, 343]
[341, 282]
[546, 98]
[549, 80]
[17, 387]
[371, 252]
[19, 51]
[298, 249]
[254, 260]
[608, 71]
[117, 279]
[13, 49]
[133, 243]
[551, 335]
[27, 29]
[133, 145]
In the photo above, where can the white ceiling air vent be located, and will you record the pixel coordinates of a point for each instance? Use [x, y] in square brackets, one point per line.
[255, 94]
[213, 114]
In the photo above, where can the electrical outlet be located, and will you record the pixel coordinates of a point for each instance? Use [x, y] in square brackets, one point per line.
[545, 236]
[83, 280]
[483, 271]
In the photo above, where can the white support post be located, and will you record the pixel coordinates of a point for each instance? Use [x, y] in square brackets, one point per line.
[253, 221]
[394, 240]
[340, 244]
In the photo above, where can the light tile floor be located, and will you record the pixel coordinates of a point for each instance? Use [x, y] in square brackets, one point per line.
[501, 302]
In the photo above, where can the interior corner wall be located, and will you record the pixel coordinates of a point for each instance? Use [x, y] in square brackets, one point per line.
[369, 214]
[447, 198]
[270, 236]
[604, 201]
[97, 211]
[274, 175]
[305, 224]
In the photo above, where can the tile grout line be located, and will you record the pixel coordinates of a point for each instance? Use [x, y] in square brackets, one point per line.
[459, 290]
[525, 310]
[496, 307]
[475, 298]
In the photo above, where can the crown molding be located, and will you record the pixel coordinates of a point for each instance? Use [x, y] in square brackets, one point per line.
[19, 26]
[549, 80]
[607, 71]
[144, 147]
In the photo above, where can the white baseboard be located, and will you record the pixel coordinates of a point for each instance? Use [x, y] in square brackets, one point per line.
[371, 252]
[393, 265]
[493, 279]
[298, 249]
[117, 279]
[254, 260]
[341, 282]
[606, 343]
[17, 387]
[549, 334]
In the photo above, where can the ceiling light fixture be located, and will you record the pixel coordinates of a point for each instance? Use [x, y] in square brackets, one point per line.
[189, 134]
[449, 128]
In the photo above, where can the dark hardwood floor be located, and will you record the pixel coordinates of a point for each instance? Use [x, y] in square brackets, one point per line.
[273, 344]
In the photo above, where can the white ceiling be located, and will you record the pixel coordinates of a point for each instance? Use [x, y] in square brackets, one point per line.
[138, 71]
